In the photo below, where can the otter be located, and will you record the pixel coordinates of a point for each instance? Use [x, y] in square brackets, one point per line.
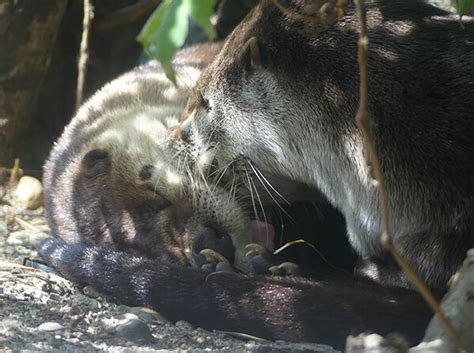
[291, 96]
[109, 180]
[282, 99]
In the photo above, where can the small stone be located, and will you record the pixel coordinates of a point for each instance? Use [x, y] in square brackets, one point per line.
[50, 326]
[133, 329]
[66, 309]
[29, 193]
[81, 300]
[90, 292]
[25, 238]
[184, 325]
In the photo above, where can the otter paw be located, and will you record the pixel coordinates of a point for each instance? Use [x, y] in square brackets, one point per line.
[260, 259]
[212, 261]
[286, 269]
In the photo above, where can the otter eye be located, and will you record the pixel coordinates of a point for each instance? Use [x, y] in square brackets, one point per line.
[205, 104]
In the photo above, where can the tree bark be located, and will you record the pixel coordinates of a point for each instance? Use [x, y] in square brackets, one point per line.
[28, 30]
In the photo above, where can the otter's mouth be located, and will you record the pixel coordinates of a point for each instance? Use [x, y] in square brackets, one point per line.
[263, 233]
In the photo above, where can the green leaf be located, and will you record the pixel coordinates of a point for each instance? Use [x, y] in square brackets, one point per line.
[201, 12]
[464, 6]
[167, 28]
[165, 32]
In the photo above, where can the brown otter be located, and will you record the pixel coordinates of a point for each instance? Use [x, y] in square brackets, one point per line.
[285, 104]
[289, 112]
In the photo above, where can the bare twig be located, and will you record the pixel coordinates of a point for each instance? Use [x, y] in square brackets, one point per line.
[83, 54]
[28, 226]
[364, 124]
[15, 171]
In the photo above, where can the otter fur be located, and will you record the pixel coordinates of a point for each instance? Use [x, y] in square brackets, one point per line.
[283, 99]
[296, 106]
[109, 181]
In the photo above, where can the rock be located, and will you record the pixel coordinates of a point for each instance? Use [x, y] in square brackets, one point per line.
[82, 301]
[90, 292]
[29, 193]
[133, 329]
[458, 305]
[50, 326]
[373, 343]
[184, 325]
[26, 238]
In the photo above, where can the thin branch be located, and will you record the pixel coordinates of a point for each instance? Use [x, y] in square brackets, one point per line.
[364, 124]
[15, 171]
[83, 53]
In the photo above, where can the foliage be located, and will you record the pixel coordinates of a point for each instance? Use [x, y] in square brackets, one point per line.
[167, 28]
[464, 6]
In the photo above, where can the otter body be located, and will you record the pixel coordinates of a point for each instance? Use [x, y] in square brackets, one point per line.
[292, 116]
[109, 181]
[280, 100]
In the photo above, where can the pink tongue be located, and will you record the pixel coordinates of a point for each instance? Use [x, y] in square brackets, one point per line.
[263, 233]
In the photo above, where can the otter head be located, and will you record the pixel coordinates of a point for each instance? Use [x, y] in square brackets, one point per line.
[139, 200]
[255, 107]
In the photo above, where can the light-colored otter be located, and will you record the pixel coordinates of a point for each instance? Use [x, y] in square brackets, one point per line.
[109, 179]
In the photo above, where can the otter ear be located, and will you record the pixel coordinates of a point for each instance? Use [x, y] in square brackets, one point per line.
[249, 57]
[96, 162]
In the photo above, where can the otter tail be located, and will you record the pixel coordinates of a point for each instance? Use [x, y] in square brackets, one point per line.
[275, 308]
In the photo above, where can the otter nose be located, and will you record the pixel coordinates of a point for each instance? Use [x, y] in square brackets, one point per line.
[179, 134]
[210, 238]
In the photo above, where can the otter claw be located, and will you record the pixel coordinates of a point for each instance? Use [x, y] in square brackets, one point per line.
[255, 249]
[213, 256]
[260, 258]
[285, 269]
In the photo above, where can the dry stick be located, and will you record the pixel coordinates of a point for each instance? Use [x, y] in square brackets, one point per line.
[363, 122]
[15, 171]
[83, 54]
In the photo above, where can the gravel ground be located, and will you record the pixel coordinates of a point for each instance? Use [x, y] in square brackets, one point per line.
[41, 311]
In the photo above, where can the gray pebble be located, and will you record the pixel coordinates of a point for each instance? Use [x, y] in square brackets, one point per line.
[184, 325]
[26, 237]
[81, 300]
[50, 326]
[90, 292]
[133, 329]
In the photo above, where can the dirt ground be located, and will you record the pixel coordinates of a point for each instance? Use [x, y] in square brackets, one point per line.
[41, 311]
